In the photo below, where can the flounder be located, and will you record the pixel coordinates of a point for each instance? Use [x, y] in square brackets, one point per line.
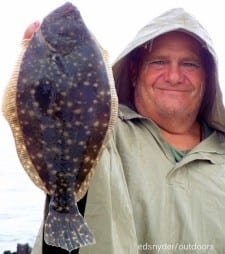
[61, 105]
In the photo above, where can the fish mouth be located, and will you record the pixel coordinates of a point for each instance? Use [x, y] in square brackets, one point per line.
[68, 7]
[65, 9]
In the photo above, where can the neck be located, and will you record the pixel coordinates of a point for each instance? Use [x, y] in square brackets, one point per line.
[185, 139]
[182, 135]
[180, 130]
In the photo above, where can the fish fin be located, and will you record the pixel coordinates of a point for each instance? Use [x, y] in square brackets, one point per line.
[67, 230]
[9, 109]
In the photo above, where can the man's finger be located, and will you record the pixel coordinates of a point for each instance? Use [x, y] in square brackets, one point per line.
[31, 29]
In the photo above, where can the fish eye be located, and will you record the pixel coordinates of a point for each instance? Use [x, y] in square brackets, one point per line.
[58, 61]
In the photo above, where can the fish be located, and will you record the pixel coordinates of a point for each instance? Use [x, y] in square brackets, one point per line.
[61, 105]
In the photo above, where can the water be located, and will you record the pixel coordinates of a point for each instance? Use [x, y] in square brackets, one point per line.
[21, 202]
[21, 210]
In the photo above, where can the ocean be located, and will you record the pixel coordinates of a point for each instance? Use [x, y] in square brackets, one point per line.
[21, 210]
[21, 202]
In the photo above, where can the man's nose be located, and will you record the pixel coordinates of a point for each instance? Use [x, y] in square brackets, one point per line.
[174, 74]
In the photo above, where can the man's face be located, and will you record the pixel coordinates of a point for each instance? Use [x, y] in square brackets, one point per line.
[171, 78]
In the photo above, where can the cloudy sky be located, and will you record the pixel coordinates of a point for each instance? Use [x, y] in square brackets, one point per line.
[114, 23]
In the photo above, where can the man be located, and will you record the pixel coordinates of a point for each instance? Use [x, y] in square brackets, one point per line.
[160, 184]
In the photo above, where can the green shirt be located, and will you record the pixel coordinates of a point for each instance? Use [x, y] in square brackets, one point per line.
[179, 154]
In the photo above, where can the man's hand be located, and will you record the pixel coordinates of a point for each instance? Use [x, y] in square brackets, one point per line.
[31, 29]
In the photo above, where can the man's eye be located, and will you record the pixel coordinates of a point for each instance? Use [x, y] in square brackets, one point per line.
[156, 62]
[159, 62]
[191, 64]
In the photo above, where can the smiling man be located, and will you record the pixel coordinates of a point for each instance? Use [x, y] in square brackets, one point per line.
[160, 183]
[170, 86]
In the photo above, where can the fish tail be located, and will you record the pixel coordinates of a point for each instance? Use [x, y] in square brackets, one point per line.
[68, 231]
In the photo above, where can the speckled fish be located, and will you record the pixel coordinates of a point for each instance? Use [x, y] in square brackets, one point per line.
[61, 105]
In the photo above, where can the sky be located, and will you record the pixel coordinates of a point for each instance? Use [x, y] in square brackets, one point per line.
[114, 23]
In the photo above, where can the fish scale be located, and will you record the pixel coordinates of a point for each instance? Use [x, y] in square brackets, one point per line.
[61, 105]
